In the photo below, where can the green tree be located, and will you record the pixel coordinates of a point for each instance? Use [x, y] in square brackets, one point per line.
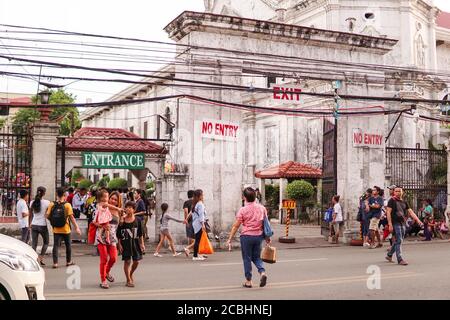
[117, 183]
[67, 117]
[103, 183]
[302, 191]
[85, 183]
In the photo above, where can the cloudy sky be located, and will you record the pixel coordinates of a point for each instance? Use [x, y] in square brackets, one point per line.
[133, 18]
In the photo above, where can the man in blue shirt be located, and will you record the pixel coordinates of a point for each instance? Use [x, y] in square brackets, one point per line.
[375, 205]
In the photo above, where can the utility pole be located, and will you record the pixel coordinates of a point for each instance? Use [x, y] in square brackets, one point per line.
[336, 86]
[72, 123]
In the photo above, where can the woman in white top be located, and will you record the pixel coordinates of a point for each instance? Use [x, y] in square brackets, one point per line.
[337, 217]
[39, 207]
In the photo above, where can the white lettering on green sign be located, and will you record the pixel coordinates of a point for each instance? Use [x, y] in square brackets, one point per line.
[116, 160]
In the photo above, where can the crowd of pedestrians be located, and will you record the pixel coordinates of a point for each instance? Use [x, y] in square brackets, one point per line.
[119, 218]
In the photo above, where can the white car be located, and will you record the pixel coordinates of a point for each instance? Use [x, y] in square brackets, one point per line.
[21, 277]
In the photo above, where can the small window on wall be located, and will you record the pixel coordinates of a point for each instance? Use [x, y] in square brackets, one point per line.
[145, 130]
[132, 129]
[167, 116]
[271, 80]
[116, 175]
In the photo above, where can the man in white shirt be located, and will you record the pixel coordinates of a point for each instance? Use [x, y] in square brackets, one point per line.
[79, 203]
[23, 215]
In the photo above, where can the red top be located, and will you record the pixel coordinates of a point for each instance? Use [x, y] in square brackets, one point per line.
[70, 198]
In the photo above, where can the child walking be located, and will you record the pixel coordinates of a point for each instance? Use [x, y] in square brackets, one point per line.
[165, 231]
[131, 242]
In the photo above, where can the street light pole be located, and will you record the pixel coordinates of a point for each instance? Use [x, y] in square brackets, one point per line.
[45, 111]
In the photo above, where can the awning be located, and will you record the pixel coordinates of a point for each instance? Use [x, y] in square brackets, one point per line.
[290, 170]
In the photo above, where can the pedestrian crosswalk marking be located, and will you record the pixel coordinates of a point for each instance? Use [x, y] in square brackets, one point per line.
[240, 263]
[228, 289]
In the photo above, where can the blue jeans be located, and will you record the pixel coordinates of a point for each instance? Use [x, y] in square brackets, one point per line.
[365, 228]
[399, 233]
[251, 252]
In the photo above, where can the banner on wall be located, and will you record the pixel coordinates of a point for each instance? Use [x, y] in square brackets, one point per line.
[219, 130]
[366, 139]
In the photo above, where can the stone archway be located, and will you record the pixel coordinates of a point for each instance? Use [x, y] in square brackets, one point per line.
[109, 144]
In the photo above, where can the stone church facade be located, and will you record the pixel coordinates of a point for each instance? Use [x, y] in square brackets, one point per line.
[412, 35]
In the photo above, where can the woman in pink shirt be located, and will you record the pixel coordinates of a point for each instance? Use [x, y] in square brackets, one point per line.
[251, 217]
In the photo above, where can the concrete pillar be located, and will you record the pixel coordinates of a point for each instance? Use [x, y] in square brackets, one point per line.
[141, 176]
[153, 234]
[319, 192]
[283, 185]
[43, 164]
[262, 189]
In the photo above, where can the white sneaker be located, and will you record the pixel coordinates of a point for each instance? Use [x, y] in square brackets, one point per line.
[177, 254]
[158, 255]
[366, 244]
[198, 259]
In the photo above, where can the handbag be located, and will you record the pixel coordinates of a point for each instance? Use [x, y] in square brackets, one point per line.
[205, 246]
[269, 254]
[207, 225]
[92, 232]
[267, 229]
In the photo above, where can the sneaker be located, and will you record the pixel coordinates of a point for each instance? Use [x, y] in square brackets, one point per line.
[158, 255]
[388, 258]
[366, 244]
[177, 254]
[198, 259]
[403, 263]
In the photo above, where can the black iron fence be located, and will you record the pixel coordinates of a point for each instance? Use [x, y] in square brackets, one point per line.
[422, 173]
[15, 168]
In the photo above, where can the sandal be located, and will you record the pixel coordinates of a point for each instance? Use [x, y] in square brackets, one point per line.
[130, 285]
[41, 262]
[55, 266]
[245, 285]
[104, 286]
[110, 278]
[263, 281]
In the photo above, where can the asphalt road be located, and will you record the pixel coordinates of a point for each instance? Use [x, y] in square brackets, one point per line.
[321, 273]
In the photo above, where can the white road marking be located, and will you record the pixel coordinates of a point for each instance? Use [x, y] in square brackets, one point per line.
[240, 263]
[225, 289]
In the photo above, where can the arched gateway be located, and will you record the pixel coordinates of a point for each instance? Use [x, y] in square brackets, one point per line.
[92, 149]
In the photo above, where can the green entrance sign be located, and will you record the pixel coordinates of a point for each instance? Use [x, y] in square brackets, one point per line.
[113, 160]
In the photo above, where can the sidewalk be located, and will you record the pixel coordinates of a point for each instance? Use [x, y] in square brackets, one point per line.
[307, 237]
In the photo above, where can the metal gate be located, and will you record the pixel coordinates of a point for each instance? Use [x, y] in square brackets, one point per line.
[329, 169]
[422, 173]
[15, 168]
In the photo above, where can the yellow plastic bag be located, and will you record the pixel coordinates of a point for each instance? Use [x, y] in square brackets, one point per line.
[205, 246]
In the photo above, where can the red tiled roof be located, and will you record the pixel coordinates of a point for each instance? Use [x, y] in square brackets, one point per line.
[106, 142]
[19, 100]
[289, 170]
[443, 20]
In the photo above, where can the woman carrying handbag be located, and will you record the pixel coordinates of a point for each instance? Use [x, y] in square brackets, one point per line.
[251, 217]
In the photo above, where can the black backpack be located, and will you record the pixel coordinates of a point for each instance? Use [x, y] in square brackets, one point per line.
[58, 215]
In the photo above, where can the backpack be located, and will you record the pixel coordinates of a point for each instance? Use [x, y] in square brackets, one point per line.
[58, 215]
[328, 217]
